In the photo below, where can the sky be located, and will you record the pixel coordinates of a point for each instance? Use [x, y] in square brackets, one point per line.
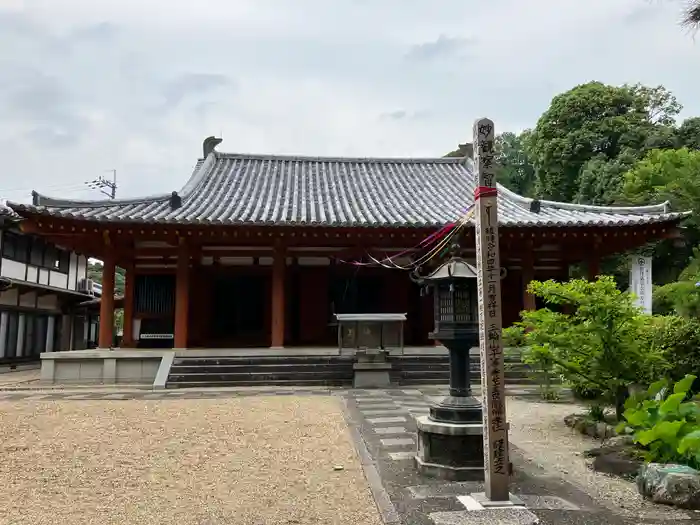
[89, 86]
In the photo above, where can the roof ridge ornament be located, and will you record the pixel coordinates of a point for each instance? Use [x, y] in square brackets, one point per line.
[209, 145]
[175, 201]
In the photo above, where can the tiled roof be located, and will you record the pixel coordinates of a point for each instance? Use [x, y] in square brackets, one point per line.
[238, 189]
[7, 213]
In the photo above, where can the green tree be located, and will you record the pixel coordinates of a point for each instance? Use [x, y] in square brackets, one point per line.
[515, 169]
[691, 17]
[689, 133]
[598, 344]
[595, 121]
[666, 175]
[95, 273]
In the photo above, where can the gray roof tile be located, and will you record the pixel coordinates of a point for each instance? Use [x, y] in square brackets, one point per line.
[7, 213]
[287, 190]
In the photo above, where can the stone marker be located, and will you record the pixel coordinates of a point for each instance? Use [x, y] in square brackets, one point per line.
[496, 463]
[670, 484]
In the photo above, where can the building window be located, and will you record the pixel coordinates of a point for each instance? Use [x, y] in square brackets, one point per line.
[50, 257]
[15, 247]
[35, 251]
[12, 332]
[63, 261]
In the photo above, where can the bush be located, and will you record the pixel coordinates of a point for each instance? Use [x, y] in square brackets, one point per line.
[663, 424]
[597, 346]
[678, 339]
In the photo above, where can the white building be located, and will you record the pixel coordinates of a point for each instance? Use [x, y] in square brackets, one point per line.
[46, 300]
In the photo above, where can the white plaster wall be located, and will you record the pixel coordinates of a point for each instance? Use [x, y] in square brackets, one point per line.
[13, 269]
[81, 268]
[72, 271]
[28, 300]
[9, 298]
[43, 276]
[58, 279]
[47, 302]
[32, 274]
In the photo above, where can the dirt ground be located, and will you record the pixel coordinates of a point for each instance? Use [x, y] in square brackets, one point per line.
[258, 460]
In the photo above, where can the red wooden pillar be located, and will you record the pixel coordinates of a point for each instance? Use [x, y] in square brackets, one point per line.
[594, 263]
[182, 286]
[528, 274]
[278, 270]
[128, 336]
[106, 335]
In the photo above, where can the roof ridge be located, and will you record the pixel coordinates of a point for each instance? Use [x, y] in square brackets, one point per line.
[43, 200]
[332, 158]
[663, 207]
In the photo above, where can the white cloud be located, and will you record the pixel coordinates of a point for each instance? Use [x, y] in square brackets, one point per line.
[87, 86]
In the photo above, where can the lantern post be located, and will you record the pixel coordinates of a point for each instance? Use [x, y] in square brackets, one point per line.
[450, 438]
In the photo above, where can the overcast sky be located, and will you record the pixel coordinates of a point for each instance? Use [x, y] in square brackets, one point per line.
[88, 86]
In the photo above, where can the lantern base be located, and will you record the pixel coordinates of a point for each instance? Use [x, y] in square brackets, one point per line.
[457, 410]
[450, 451]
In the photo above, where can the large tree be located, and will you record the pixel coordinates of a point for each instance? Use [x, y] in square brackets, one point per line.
[692, 14]
[592, 125]
[514, 167]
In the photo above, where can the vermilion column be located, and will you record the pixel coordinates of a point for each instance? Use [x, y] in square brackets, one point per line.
[182, 285]
[594, 263]
[105, 339]
[279, 267]
[528, 274]
[128, 336]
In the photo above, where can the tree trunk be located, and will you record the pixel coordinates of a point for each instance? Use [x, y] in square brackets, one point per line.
[621, 394]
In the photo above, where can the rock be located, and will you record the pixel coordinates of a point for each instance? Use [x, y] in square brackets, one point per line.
[671, 484]
[601, 430]
[338, 467]
[618, 462]
[572, 419]
[624, 440]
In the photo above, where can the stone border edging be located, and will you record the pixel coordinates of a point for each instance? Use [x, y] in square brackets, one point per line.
[386, 508]
[161, 378]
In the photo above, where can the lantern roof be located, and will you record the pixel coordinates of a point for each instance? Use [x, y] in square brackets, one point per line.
[455, 268]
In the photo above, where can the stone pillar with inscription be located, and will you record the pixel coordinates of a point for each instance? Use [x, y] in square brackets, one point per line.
[496, 462]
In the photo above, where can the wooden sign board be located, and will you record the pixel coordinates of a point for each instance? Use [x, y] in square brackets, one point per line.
[496, 462]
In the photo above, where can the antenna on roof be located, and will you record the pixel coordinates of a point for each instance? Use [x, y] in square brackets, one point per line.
[100, 183]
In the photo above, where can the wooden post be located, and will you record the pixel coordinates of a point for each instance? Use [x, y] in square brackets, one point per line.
[528, 273]
[496, 463]
[182, 286]
[594, 262]
[128, 335]
[279, 266]
[106, 335]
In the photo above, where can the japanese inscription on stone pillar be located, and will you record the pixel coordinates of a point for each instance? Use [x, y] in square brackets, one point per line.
[489, 290]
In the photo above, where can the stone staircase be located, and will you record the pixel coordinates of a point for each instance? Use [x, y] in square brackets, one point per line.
[435, 369]
[318, 371]
[260, 371]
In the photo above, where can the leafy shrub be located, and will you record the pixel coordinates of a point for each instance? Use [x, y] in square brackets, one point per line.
[584, 390]
[665, 425]
[596, 346]
[540, 364]
[596, 413]
[678, 339]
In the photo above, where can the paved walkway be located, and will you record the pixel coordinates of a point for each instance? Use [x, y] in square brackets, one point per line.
[383, 428]
[383, 422]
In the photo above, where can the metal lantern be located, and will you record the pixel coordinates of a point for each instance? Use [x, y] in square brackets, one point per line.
[454, 289]
[455, 301]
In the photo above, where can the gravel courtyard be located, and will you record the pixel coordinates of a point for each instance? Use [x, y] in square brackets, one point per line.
[255, 460]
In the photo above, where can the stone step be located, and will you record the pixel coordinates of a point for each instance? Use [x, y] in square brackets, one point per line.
[281, 368]
[261, 361]
[279, 382]
[262, 377]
